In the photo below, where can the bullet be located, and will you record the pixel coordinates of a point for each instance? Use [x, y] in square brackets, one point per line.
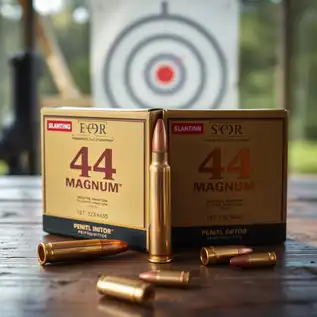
[254, 260]
[79, 249]
[166, 278]
[160, 250]
[131, 290]
[221, 254]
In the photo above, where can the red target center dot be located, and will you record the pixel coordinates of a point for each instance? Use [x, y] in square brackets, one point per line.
[165, 74]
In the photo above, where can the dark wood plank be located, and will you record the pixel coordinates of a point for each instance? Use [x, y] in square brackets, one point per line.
[26, 289]
[302, 188]
[302, 221]
[20, 212]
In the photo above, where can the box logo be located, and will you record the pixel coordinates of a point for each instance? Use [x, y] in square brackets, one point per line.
[187, 128]
[226, 129]
[58, 125]
[96, 128]
[93, 131]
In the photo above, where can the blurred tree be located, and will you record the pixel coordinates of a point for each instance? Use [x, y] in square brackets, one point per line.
[259, 36]
[11, 37]
[74, 39]
[305, 64]
[259, 43]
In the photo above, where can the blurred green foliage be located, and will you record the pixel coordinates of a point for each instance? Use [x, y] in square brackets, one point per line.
[259, 64]
[3, 168]
[303, 157]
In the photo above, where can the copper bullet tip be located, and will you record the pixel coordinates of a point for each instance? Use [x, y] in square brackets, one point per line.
[148, 276]
[159, 139]
[166, 277]
[122, 244]
[238, 260]
[64, 251]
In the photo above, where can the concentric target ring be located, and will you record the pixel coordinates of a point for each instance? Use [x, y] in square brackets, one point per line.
[165, 57]
[166, 16]
[173, 38]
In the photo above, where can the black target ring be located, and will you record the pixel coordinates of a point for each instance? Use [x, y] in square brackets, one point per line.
[173, 38]
[161, 17]
[165, 57]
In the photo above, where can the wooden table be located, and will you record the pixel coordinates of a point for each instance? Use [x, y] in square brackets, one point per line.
[26, 289]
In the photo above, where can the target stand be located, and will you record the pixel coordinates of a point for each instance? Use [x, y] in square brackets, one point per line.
[165, 60]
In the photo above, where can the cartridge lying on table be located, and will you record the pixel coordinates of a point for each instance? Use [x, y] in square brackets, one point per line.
[167, 278]
[80, 249]
[254, 260]
[127, 289]
[221, 254]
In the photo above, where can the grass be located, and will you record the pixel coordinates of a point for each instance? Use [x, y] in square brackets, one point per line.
[3, 168]
[303, 157]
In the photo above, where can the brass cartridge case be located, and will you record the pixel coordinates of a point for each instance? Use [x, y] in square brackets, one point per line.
[221, 254]
[131, 290]
[160, 250]
[166, 278]
[80, 249]
[255, 260]
[159, 266]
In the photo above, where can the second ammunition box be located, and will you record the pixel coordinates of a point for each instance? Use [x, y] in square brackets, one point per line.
[228, 176]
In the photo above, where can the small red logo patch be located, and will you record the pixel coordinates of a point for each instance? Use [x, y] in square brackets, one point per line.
[59, 125]
[187, 128]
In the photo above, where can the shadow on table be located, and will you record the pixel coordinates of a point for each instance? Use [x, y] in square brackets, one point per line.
[117, 308]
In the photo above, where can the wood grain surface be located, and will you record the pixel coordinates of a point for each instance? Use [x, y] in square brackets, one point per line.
[27, 289]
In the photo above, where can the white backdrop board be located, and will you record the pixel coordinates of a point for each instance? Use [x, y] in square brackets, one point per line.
[174, 54]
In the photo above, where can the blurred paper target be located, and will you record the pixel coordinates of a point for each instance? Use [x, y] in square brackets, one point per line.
[174, 54]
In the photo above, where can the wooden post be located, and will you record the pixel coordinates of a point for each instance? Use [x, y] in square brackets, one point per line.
[53, 55]
[287, 53]
[31, 102]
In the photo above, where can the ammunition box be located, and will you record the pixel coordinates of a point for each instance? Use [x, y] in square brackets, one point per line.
[228, 176]
[95, 172]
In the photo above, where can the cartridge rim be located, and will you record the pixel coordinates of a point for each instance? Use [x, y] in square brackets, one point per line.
[42, 253]
[272, 256]
[100, 282]
[144, 293]
[137, 291]
[160, 259]
[185, 277]
[207, 256]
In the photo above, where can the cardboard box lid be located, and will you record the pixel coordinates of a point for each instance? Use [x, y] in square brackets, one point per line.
[99, 112]
[226, 113]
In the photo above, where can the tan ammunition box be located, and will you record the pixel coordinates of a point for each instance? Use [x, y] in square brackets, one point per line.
[228, 176]
[95, 172]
